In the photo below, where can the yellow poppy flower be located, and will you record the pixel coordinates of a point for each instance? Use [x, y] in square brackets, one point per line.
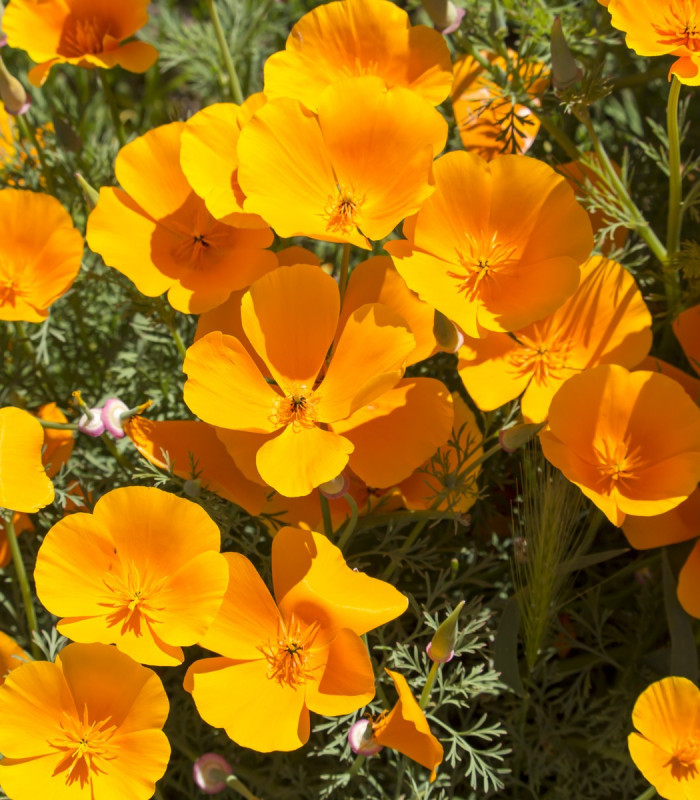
[24, 484]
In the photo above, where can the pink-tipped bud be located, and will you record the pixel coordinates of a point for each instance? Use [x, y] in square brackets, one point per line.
[210, 772]
[113, 413]
[360, 739]
[516, 436]
[442, 646]
[446, 16]
[12, 93]
[335, 488]
[91, 423]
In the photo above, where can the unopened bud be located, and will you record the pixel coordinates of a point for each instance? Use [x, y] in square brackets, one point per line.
[447, 335]
[445, 15]
[210, 772]
[192, 487]
[91, 194]
[360, 738]
[335, 488]
[442, 646]
[90, 422]
[565, 71]
[517, 435]
[12, 93]
[114, 412]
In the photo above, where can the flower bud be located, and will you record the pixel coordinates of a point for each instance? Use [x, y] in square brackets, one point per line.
[335, 488]
[442, 646]
[447, 335]
[360, 738]
[90, 422]
[91, 194]
[445, 15]
[12, 92]
[519, 434]
[565, 71]
[192, 487]
[210, 772]
[113, 413]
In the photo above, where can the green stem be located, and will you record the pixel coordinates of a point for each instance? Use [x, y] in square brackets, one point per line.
[326, 513]
[28, 133]
[651, 791]
[428, 688]
[356, 764]
[234, 83]
[344, 269]
[166, 316]
[350, 524]
[120, 459]
[23, 581]
[408, 543]
[113, 108]
[58, 426]
[558, 135]
[237, 786]
[673, 231]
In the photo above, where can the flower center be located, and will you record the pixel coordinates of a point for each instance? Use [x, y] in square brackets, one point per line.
[341, 211]
[82, 36]
[297, 408]
[289, 656]
[618, 462]
[545, 361]
[681, 26]
[9, 292]
[683, 761]
[480, 260]
[85, 745]
[132, 598]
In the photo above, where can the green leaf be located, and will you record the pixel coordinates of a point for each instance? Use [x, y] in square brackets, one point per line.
[684, 653]
[505, 656]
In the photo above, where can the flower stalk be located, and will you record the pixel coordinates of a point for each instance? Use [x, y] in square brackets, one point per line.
[673, 230]
[234, 82]
[23, 581]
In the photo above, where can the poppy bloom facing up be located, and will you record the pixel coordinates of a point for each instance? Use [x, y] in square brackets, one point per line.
[88, 725]
[629, 440]
[605, 321]
[290, 318]
[24, 484]
[304, 653]
[81, 32]
[340, 177]
[354, 38]
[174, 243]
[41, 254]
[143, 571]
[660, 27]
[666, 748]
[498, 245]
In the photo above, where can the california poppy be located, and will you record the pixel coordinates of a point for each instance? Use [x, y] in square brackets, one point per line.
[42, 251]
[280, 660]
[174, 243]
[87, 725]
[11, 656]
[80, 32]
[142, 571]
[24, 484]
[498, 246]
[58, 442]
[354, 38]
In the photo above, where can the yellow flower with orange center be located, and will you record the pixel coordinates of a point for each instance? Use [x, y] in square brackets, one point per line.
[497, 246]
[352, 38]
[174, 243]
[303, 653]
[88, 725]
[87, 34]
[143, 571]
[335, 176]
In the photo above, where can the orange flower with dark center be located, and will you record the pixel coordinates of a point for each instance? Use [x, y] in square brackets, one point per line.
[81, 32]
[280, 660]
[174, 243]
[497, 246]
[353, 38]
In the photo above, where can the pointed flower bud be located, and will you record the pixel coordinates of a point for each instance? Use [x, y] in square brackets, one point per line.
[335, 488]
[90, 422]
[90, 193]
[360, 738]
[12, 93]
[114, 412]
[517, 435]
[210, 772]
[445, 15]
[448, 336]
[442, 646]
[565, 71]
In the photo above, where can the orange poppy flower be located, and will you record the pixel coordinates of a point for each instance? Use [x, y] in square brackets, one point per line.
[87, 725]
[174, 243]
[24, 484]
[607, 436]
[143, 571]
[58, 444]
[280, 661]
[404, 729]
[690, 384]
[605, 321]
[686, 326]
[79, 32]
[666, 745]
[659, 28]
[499, 244]
[11, 656]
[354, 38]
[209, 158]
[340, 177]
[290, 318]
[41, 254]
[489, 123]
[192, 449]
[441, 483]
